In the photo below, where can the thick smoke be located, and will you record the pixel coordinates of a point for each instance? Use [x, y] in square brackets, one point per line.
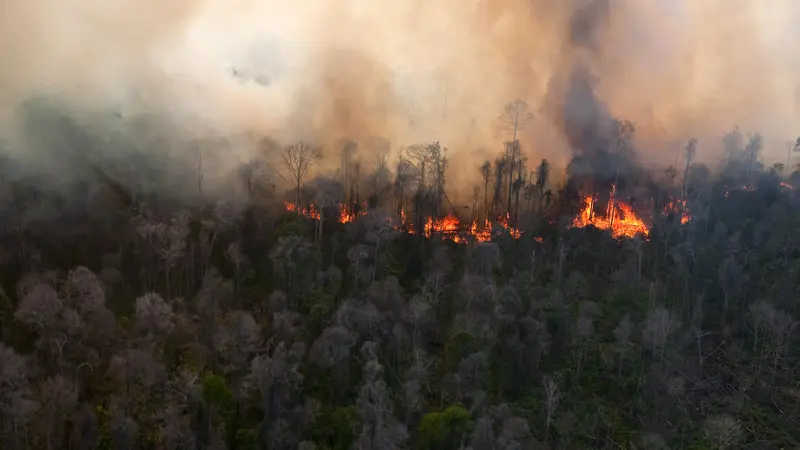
[157, 78]
[584, 118]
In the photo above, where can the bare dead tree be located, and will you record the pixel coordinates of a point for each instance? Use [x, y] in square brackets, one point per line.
[755, 144]
[486, 173]
[512, 156]
[299, 158]
[381, 165]
[419, 157]
[624, 134]
[437, 157]
[348, 157]
[553, 398]
[199, 160]
[542, 177]
[404, 176]
[691, 150]
[499, 176]
[515, 116]
[519, 183]
[476, 195]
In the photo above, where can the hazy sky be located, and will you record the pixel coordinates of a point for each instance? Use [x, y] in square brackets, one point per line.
[359, 68]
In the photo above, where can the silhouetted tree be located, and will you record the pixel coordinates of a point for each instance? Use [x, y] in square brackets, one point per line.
[298, 159]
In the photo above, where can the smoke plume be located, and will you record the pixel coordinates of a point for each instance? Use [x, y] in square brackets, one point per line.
[158, 77]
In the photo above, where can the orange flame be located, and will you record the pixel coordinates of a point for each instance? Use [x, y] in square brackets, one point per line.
[482, 234]
[504, 222]
[446, 226]
[619, 218]
[449, 227]
[740, 188]
[346, 216]
[678, 207]
[311, 212]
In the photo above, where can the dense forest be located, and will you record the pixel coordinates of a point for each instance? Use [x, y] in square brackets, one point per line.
[361, 308]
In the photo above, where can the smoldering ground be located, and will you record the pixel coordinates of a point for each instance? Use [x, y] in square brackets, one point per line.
[154, 79]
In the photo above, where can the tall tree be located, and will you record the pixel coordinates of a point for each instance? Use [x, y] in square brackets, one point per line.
[519, 182]
[542, 175]
[732, 143]
[298, 159]
[752, 153]
[419, 157]
[438, 158]
[623, 136]
[347, 161]
[515, 116]
[691, 151]
[486, 173]
[500, 167]
[404, 176]
[512, 155]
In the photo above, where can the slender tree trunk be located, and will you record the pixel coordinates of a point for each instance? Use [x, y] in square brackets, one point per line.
[685, 180]
[541, 200]
[486, 199]
[199, 156]
[375, 263]
[512, 164]
[168, 271]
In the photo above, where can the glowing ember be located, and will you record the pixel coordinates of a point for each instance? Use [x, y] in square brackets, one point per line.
[678, 207]
[786, 185]
[448, 227]
[619, 218]
[504, 222]
[482, 234]
[740, 188]
[310, 212]
[346, 216]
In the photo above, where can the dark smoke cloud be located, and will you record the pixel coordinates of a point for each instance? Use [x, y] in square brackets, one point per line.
[583, 117]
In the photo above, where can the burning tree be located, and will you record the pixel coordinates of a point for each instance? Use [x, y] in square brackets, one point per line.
[627, 223]
[429, 163]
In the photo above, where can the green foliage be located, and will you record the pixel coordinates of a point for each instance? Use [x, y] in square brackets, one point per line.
[246, 439]
[334, 386]
[103, 427]
[11, 331]
[457, 347]
[292, 224]
[444, 430]
[216, 392]
[334, 428]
